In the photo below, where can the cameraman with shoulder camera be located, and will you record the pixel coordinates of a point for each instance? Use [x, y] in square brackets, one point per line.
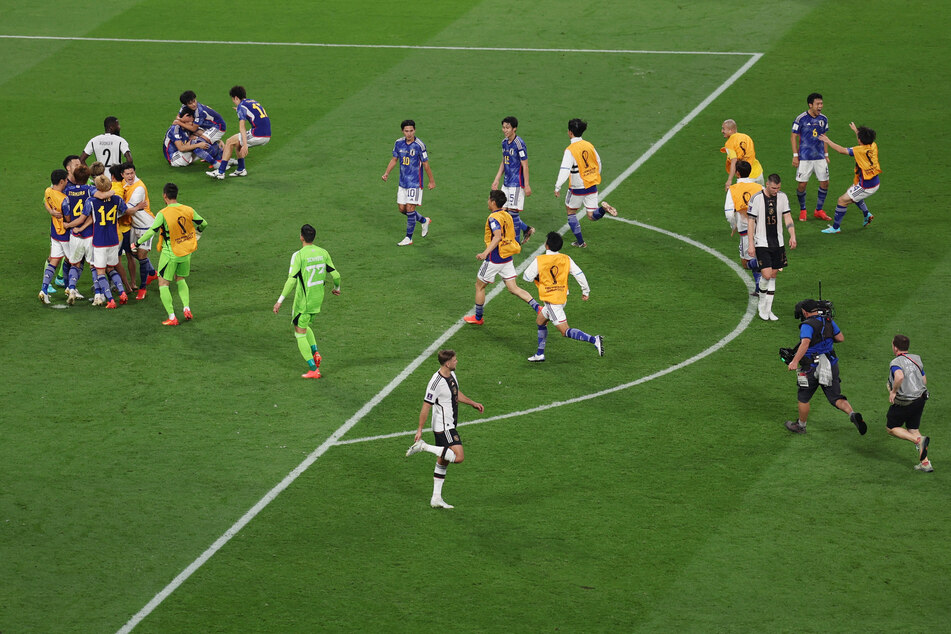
[817, 364]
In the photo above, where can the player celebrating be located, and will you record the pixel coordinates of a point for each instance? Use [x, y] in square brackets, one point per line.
[105, 207]
[250, 112]
[581, 166]
[442, 399]
[866, 180]
[179, 226]
[514, 166]
[207, 123]
[57, 206]
[739, 147]
[137, 197]
[735, 206]
[500, 248]
[180, 145]
[550, 274]
[309, 268]
[810, 155]
[413, 158]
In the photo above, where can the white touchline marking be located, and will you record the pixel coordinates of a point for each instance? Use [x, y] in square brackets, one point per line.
[382, 46]
[434, 347]
[740, 327]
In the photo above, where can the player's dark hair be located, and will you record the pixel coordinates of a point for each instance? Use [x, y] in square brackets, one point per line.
[901, 342]
[69, 159]
[187, 96]
[110, 123]
[866, 135]
[81, 174]
[577, 127]
[58, 175]
[554, 241]
[128, 165]
[186, 111]
[406, 122]
[774, 178]
[171, 191]
[308, 233]
[498, 197]
[512, 121]
[239, 92]
[116, 171]
[812, 97]
[743, 169]
[445, 356]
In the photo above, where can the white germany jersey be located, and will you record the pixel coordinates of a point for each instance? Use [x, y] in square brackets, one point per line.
[109, 149]
[443, 394]
[768, 214]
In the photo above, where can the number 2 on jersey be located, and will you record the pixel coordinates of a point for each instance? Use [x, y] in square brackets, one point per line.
[313, 271]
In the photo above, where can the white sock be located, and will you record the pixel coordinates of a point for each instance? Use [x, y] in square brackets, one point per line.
[770, 294]
[439, 476]
[438, 452]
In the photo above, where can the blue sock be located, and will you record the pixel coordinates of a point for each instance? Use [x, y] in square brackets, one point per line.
[542, 339]
[517, 221]
[802, 199]
[598, 213]
[420, 218]
[48, 274]
[753, 265]
[73, 276]
[822, 198]
[479, 309]
[222, 167]
[117, 280]
[839, 215]
[861, 205]
[575, 227]
[66, 267]
[535, 305]
[580, 335]
[104, 285]
[143, 272]
[240, 164]
[756, 278]
[204, 155]
[410, 224]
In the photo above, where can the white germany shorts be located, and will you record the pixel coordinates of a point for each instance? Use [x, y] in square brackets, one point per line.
[515, 198]
[78, 248]
[489, 270]
[181, 159]
[555, 313]
[577, 201]
[819, 167]
[105, 256]
[254, 141]
[857, 192]
[58, 249]
[409, 196]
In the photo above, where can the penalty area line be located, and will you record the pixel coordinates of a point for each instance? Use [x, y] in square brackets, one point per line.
[334, 438]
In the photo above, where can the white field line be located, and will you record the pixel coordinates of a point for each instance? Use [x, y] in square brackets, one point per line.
[382, 46]
[740, 327]
[434, 347]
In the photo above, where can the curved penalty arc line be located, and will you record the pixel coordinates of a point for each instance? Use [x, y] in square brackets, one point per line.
[736, 332]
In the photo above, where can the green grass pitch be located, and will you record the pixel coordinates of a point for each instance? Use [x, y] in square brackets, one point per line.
[677, 504]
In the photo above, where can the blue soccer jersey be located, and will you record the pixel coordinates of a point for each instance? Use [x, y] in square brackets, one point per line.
[77, 195]
[105, 217]
[174, 133]
[251, 111]
[513, 153]
[809, 128]
[411, 157]
[206, 118]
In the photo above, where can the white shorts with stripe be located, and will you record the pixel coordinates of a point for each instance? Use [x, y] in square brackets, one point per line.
[409, 196]
[489, 270]
[577, 201]
[819, 167]
[78, 248]
[58, 249]
[515, 198]
[555, 313]
[181, 159]
[105, 256]
[857, 192]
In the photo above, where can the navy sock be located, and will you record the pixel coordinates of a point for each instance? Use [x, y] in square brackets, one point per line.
[535, 305]
[575, 227]
[240, 164]
[580, 335]
[542, 339]
[48, 274]
[143, 272]
[517, 221]
[802, 199]
[598, 213]
[104, 285]
[204, 155]
[222, 167]
[410, 224]
[839, 215]
[73, 276]
[822, 198]
[861, 205]
[117, 280]
[479, 309]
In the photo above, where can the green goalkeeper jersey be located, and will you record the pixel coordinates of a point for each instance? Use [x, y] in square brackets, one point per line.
[309, 269]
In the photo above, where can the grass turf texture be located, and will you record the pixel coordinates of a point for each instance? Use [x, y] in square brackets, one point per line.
[680, 503]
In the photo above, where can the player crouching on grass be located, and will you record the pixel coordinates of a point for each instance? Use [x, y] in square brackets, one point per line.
[442, 398]
[550, 274]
